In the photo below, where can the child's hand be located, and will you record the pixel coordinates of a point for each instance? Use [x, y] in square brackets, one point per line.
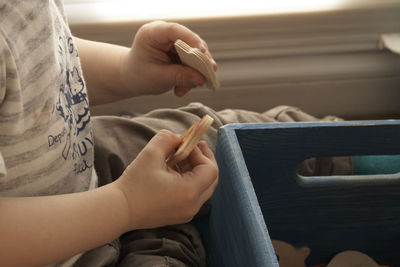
[150, 66]
[158, 195]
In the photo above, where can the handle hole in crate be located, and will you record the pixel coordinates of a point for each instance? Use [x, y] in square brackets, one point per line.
[367, 168]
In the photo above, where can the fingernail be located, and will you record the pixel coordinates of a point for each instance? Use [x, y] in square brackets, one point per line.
[198, 81]
[202, 48]
[215, 66]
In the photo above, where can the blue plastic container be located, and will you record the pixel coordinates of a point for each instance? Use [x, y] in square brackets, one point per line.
[261, 197]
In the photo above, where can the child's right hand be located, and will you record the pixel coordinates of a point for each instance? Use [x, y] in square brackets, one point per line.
[157, 195]
[149, 66]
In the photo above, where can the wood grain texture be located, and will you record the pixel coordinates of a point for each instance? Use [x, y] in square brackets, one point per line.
[260, 196]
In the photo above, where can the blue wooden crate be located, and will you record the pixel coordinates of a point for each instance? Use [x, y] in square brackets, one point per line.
[261, 197]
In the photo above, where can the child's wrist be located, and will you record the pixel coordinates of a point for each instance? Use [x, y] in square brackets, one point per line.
[121, 203]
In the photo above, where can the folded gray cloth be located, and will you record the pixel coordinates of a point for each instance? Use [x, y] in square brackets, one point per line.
[119, 139]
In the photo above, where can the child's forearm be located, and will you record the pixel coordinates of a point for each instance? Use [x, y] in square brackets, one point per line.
[101, 68]
[40, 230]
[148, 67]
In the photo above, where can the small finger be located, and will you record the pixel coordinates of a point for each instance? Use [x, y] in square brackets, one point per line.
[205, 149]
[203, 174]
[187, 165]
[181, 76]
[207, 194]
[213, 63]
[181, 91]
[200, 154]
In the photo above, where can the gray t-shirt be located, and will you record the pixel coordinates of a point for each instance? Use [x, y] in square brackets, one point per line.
[46, 139]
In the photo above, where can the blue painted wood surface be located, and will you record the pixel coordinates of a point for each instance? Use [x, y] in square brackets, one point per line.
[260, 196]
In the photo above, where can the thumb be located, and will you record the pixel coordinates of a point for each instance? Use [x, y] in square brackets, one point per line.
[184, 77]
[162, 144]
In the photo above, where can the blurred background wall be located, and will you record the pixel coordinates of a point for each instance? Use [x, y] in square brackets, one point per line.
[322, 56]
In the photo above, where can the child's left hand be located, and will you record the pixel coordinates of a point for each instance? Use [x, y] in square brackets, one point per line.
[150, 66]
